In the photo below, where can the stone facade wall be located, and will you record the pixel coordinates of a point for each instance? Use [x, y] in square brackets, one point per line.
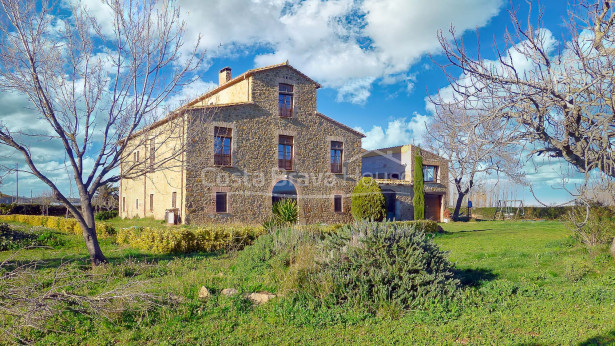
[403, 157]
[404, 208]
[254, 171]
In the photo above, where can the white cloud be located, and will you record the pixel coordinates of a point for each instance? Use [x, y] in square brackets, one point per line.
[343, 44]
[398, 132]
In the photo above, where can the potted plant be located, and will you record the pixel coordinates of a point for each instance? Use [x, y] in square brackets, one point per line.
[447, 216]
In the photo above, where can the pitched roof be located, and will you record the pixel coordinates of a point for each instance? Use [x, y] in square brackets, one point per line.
[176, 113]
[244, 76]
[345, 127]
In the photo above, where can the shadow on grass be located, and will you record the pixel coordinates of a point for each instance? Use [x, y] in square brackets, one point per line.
[84, 261]
[606, 339]
[475, 230]
[474, 277]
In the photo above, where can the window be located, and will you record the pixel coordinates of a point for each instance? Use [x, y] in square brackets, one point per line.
[151, 202]
[152, 153]
[286, 100]
[123, 203]
[430, 174]
[337, 203]
[285, 153]
[221, 202]
[222, 146]
[337, 149]
[137, 204]
[174, 200]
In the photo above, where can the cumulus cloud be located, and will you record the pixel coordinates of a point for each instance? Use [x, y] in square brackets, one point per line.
[344, 44]
[398, 132]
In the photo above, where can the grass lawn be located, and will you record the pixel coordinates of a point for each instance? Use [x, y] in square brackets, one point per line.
[525, 283]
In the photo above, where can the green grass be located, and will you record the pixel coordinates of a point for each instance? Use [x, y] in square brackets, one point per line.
[525, 283]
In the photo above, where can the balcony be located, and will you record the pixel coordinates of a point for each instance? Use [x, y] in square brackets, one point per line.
[222, 160]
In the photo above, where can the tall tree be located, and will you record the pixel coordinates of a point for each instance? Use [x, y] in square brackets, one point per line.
[418, 201]
[561, 100]
[477, 148]
[93, 83]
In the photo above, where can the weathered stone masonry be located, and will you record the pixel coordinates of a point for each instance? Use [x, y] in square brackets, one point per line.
[250, 108]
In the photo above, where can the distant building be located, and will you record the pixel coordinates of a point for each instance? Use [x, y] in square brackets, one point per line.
[393, 169]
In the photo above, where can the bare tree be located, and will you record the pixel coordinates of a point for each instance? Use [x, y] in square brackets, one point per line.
[94, 87]
[560, 99]
[474, 147]
[45, 199]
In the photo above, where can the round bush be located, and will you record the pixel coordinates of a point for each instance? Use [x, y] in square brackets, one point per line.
[384, 264]
[368, 201]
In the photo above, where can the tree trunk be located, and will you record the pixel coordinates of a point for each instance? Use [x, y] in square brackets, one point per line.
[89, 233]
[458, 204]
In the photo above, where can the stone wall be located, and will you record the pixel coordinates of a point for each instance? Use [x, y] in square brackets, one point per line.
[254, 171]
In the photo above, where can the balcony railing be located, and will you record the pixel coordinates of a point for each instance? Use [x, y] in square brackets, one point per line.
[286, 164]
[286, 112]
[336, 167]
[222, 159]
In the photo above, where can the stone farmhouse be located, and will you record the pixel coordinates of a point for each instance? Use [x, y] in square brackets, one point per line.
[263, 139]
[254, 139]
[393, 169]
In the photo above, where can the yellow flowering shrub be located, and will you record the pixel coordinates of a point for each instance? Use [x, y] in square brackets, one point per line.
[185, 240]
[70, 226]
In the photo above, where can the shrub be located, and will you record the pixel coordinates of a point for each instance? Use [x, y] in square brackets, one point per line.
[368, 201]
[425, 226]
[65, 225]
[184, 240]
[14, 239]
[285, 211]
[386, 264]
[320, 229]
[418, 201]
[106, 215]
[595, 228]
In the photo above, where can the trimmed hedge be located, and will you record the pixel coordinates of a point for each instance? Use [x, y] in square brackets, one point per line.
[70, 226]
[546, 213]
[106, 215]
[31, 209]
[186, 240]
[367, 201]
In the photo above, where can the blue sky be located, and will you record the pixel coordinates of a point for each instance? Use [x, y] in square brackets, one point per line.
[373, 58]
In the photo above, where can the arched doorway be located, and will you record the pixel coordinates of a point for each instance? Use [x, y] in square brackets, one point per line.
[390, 198]
[283, 189]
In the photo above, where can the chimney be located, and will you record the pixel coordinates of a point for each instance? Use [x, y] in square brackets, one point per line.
[224, 76]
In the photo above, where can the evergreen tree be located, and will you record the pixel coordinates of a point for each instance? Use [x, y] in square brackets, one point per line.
[419, 188]
[368, 201]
